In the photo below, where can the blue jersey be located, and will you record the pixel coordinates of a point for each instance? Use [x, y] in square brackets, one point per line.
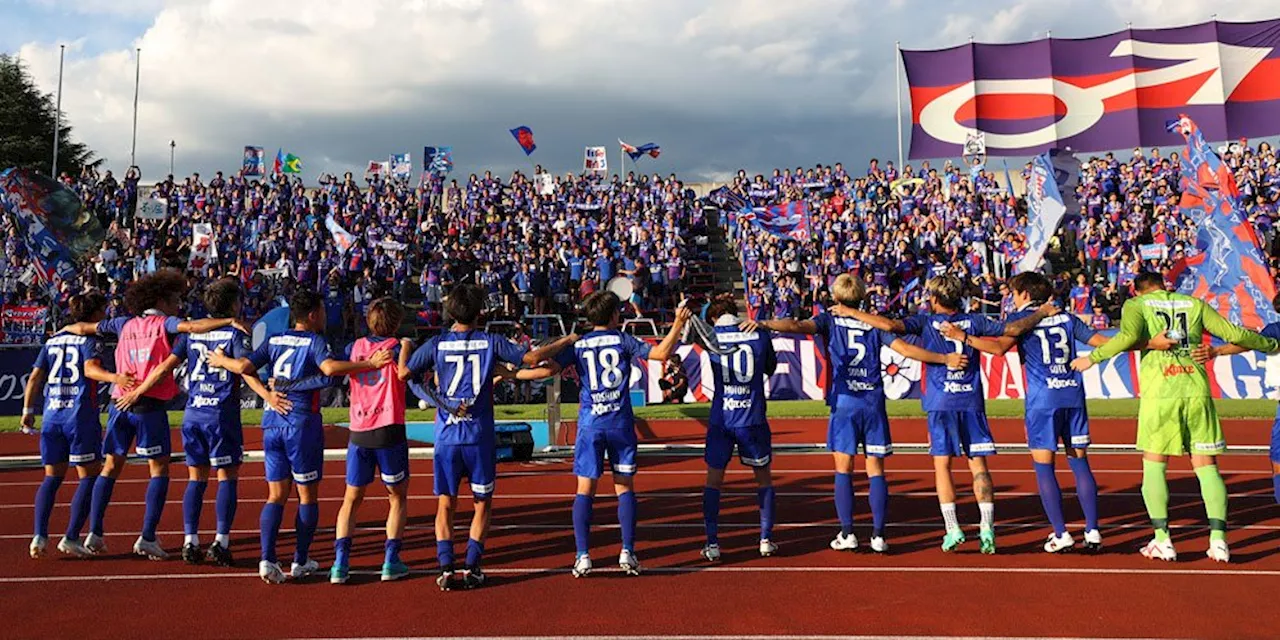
[463, 362]
[212, 393]
[853, 359]
[1046, 353]
[1271, 331]
[292, 356]
[603, 360]
[739, 378]
[952, 389]
[69, 396]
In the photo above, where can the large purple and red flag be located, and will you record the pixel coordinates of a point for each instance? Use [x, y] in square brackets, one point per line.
[1229, 269]
[787, 220]
[524, 138]
[1097, 94]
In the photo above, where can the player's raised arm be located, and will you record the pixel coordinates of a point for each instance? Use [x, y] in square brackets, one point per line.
[1219, 327]
[550, 351]
[239, 366]
[783, 325]
[951, 360]
[204, 325]
[379, 359]
[1021, 326]
[892, 325]
[668, 345]
[1131, 332]
[997, 346]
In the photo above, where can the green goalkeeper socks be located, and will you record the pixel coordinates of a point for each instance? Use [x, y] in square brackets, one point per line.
[1214, 491]
[1155, 494]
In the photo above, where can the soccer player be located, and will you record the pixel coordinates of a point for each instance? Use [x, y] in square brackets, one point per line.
[145, 340]
[1204, 354]
[68, 371]
[1176, 414]
[606, 424]
[212, 437]
[293, 442]
[954, 399]
[1055, 406]
[856, 397]
[464, 360]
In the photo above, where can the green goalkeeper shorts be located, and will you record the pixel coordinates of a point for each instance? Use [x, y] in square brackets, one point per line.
[1174, 427]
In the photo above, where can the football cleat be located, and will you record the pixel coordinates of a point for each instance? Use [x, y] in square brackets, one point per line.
[299, 571]
[1160, 550]
[392, 571]
[38, 545]
[1058, 544]
[952, 540]
[339, 574]
[628, 562]
[1218, 551]
[191, 554]
[879, 545]
[73, 548]
[219, 555]
[582, 566]
[987, 541]
[1093, 540]
[844, 543]
[95, 544]
[711, 552]
[445, 580]
[151, 549]
[767, 548]
[270, 572]
[472, 578]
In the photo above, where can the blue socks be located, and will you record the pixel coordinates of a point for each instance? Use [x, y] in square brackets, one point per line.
[844, 502]
[764, 498]
[80, 507]
[1050, 496]
[269, 527]
[45, 496]
[192, 505]
[1275, 480]
[879, 504]
[582, 507]
[391, 555]
[475, 551]
[157, 491]
[101, 498]
[711, 514]
[627, 519]
[306, 522]
[225, 505]
[342, 551]
[444, 554]
[1086, 491]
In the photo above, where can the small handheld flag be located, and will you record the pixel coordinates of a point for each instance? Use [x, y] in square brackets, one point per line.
[524, 138]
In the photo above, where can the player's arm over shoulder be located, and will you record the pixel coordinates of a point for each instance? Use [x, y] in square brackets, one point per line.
[1219, 327]
[1132, 330]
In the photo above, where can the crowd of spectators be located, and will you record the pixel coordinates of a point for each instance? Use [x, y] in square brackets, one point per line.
[536, 250]
[896, 228]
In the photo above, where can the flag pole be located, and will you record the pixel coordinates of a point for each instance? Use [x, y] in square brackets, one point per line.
[137, 79]
[897, 76]
[57, 115]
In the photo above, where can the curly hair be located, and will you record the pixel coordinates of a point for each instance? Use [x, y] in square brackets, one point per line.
[153, 289]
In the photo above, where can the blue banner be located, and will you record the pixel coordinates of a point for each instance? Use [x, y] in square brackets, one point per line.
[437, 160]
[788, 220]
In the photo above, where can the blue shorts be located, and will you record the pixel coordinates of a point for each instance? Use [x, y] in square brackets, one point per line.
[1045, 427]
[593, 445]
[859, 424]
[960, 433]
[392, 464]
[211, 442]
[755, 446]
[151, 429]
[294, 452]
[77, 443]
[476, 462]
[1275, 441]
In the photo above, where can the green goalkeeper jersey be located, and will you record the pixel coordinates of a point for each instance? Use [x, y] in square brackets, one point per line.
[1174, 374]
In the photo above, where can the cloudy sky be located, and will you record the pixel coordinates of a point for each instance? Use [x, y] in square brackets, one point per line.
[719, 84]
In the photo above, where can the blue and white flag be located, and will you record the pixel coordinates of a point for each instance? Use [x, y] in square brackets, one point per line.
[437, 160]
[1045, 205]
[401, 166]
[788, 220]
[341, 237]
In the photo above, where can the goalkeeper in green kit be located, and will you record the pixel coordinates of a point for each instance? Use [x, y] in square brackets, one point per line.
[1176, 414]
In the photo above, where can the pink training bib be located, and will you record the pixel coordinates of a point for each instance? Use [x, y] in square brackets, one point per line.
[377, 397]
[143, 346]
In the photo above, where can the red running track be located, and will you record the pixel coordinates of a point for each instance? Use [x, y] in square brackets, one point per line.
[806, 589]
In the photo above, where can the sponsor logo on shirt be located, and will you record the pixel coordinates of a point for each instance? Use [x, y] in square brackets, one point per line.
[1178, 370]
[1059, 383]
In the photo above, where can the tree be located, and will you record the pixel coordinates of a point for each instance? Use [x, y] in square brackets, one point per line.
[27, 117]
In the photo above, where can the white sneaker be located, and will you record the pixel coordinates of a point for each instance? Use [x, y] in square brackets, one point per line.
[581, 566]
[628, 562]
[844, 543]
[767, 548]
[38, 545]
[1058, 544]
[1157, 550]
[270, 572]
[299, 571]
[711, 553]
[152, 550]
[879, 545]
[95, 544]
[73, 548]
[1093, 540]
[1218, 551]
